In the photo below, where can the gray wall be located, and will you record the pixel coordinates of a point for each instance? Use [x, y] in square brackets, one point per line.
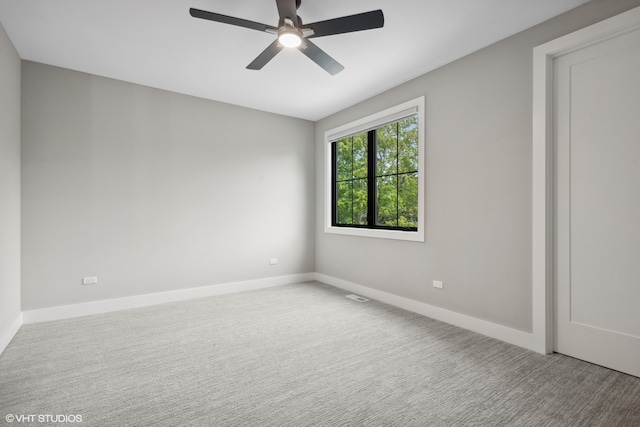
[478, 183]
[154, 191]
[9, 182]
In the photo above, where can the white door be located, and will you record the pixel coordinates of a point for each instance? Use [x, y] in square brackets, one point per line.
[597, 203]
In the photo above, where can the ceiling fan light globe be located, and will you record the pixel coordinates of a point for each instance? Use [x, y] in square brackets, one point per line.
[289, 39]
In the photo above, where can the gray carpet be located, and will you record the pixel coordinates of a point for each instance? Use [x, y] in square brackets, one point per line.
[297, 355]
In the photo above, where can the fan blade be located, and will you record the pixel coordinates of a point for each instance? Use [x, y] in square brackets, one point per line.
[266, 56]
[321, 58]
[203, 14]
[347, 24]
[287, 9]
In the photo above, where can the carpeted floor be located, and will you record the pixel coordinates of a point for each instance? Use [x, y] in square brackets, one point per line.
[297, 355]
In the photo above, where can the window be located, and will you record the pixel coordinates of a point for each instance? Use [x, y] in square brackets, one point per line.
[374, 179]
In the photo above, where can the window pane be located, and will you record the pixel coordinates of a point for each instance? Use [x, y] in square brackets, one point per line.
[360, 155]
[387, 196]
[387, 150]
[408, 145]
[360, 197]
[344, 205]
[408, 200]
[344, 161]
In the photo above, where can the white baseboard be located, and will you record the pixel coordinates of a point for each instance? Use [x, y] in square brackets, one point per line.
[10, 332]
[493, 330]
[105, 306]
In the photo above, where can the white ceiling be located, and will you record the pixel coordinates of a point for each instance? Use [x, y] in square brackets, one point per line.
[157, 43]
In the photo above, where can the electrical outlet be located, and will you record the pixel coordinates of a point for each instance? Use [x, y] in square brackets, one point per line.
[437, 284]
[273, 261]
[89, 280]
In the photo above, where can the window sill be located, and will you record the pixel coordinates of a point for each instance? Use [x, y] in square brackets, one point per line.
[411, 236]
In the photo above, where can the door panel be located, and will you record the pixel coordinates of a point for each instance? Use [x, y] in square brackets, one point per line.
[597, 142]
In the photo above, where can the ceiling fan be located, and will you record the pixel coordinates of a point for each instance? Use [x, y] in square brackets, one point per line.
[292, 33]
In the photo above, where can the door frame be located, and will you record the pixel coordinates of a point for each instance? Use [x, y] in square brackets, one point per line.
[543, 185]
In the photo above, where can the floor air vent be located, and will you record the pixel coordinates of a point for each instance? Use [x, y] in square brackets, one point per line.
[357, 298]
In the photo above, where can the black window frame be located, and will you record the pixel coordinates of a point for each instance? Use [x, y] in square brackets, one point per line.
[371, 181]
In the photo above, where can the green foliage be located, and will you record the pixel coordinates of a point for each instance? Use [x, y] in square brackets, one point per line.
[344, 207]
[387, 200]
[396, 176]
[387, 150]
[408, 200]
[351, 163]
[408, 145]
[360, 196]
[360, 154]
